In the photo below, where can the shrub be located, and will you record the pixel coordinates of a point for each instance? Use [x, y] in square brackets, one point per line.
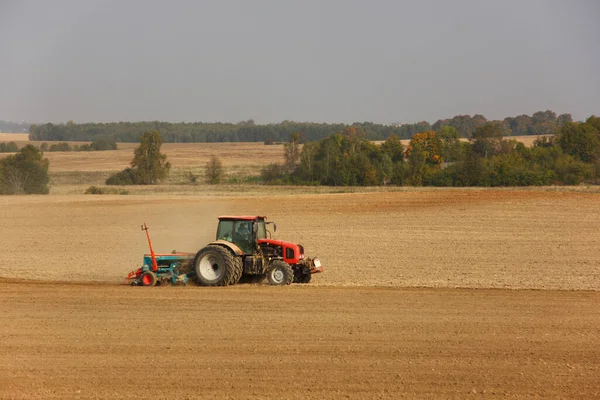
[94, 190]
[99, 190]
[572, 172]
[190, 177]
[62, 146]
[214, 170]
[10, 147]
[83, 147]
[25, 172]
[125, 177]
[103, 144]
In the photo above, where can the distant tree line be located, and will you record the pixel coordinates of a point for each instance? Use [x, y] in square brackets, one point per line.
[542, 122]
[439, 158]
[246, 131]
[99, 145]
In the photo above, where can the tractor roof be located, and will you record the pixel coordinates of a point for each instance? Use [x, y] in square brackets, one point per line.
[242, 217]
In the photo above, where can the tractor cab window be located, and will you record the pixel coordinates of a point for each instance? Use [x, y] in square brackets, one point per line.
[242, 236]
[261, 230]
[225, 231]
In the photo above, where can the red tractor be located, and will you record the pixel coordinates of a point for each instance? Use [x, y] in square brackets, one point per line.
[244, 247]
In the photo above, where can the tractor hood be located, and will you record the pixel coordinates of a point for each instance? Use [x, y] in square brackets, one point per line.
[282, 243]
[292, 252]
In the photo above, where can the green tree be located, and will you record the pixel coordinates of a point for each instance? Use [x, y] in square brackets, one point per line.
[451, 150]
[581, 140]
[393, 148]
[25, 172]
[149, 165]
[306, 169]
[214, 170]
[487, 140]
[417, 161]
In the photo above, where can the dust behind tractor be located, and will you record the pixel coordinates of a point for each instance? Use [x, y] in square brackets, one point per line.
[243, 247]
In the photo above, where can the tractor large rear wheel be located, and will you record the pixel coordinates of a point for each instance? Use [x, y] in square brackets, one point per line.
[217, 266]
[280, 273]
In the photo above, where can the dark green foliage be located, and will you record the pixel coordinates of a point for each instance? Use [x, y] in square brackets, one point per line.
[10, 147]
[581, 140]
[541, 122]
[571, 171]
[62, 146]
[245, 131]
[464, 124]
[434, 176]
[104, 144]
[393, 148]
[100, 190]
[25, 172]
[452, 149]
[94, 190]
[99, 145]
[83, 147]
[348, 158]
[125, 177]
[417, 162]
[487, 140]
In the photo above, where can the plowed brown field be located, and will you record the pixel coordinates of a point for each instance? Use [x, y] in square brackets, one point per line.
[299, 342]
[387, 319]
[434, 238]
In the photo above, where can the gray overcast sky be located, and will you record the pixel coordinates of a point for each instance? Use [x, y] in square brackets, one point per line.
[303, 60]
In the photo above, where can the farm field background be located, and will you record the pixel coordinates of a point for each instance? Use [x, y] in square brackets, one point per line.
[73, 172]
[427, 293]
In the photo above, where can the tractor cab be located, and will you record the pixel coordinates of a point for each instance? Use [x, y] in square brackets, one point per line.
[243, 231]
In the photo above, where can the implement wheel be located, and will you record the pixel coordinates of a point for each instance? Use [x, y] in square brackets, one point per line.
[217, 266]
[148, 279]
[280, 273]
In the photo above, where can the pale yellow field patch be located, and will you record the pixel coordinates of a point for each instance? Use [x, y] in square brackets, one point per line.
[14, 137]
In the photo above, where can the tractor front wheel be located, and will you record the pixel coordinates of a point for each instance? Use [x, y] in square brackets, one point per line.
[217, 266]
[148, 278]
[302, 276]
[280, 273]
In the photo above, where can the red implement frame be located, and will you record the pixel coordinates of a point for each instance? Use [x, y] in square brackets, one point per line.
[154, 264]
